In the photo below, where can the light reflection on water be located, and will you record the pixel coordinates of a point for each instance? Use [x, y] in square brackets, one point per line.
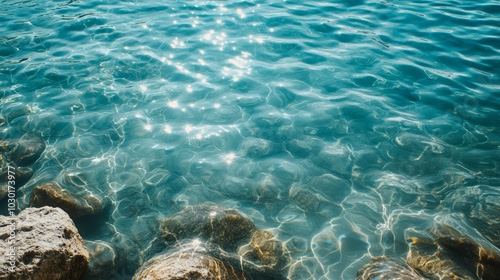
[344, 129]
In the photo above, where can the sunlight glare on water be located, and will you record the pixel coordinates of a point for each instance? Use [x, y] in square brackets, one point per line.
[342, 126]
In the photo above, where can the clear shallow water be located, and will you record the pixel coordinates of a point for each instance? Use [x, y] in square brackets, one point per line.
[343, 126]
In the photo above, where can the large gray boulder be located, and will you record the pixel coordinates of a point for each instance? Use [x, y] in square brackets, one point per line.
[188, 262]
[47, 243]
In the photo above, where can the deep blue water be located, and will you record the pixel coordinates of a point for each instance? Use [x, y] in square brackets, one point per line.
[343, 126]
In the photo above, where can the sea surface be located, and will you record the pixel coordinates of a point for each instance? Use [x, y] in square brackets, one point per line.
[342, 126]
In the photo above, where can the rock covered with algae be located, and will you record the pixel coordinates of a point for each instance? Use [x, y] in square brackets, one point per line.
[481, 205]
[435, 263]
[383, 268]
[485, 213]
[51, 194]
[4, 190]
[223, 226]
[9, 172]
[480, 258]
[21, 174]
[452, 255]
[48, 246]
[231, 237]
[24, 151]
[265, 250]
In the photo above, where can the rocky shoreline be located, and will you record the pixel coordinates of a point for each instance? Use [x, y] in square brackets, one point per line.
[209, 241]
[49, 247]
[203, 241]
[43, 243]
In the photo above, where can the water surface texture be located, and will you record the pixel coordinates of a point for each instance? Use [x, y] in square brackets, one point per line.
[343, 126]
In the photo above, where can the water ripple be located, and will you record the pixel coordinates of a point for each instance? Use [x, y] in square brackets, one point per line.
[344, 126]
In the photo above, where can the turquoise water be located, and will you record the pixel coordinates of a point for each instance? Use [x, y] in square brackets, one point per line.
[344, 126]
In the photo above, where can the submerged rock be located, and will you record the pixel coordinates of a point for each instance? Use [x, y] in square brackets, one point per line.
[265, 250]
[21, 175]
[485, 213]
[48, 246]
[103, 260]
[383, 268]
[24, 151]
[51, 194]
[188, 262]
[219, 225]
[335, 158]
[312, 202]
[452, 255]
[485, 262]
[4, 190]
[10, 172]
[481, 205]
[435, 263]
[222, 231]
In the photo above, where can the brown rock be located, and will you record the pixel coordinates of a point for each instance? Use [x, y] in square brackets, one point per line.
[478, 258]
[4, 190]
[436, 263]
[24, 151]
[48, 246]
[188, 262]
[383, 268]
[485, 214]
[211, 222]
[21, 175]
[51, 194]
[265, 250]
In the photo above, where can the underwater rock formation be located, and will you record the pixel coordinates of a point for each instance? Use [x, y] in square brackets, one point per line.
[383, 268]
[51, 194]
[219, 225]
[13, 176]
[313, 202]
[187, 262]
[24, 151]
[484, 261]
[485, 213]
[481, 205]
[102, 260]
[4, 190]
[21, 174]
[229, 236]
[48, 246]
[452, 255]
[434, 262]
[265, 250]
